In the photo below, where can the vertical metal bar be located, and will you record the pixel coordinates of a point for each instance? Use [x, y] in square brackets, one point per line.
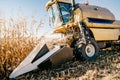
[82, 40]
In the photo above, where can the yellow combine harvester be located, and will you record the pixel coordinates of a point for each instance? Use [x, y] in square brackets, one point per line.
[86, 29]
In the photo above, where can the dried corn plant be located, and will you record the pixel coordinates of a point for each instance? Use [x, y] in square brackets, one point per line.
[16, 41]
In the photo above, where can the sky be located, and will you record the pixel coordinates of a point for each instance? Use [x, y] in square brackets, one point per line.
[36, 8]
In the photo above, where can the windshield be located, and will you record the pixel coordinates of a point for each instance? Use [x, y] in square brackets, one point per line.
[65, 10]
[59, 13]
[55, 19]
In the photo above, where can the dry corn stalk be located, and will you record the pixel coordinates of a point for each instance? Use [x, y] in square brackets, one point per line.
[15, 43]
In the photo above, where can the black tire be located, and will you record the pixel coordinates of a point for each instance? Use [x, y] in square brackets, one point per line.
[90, 50]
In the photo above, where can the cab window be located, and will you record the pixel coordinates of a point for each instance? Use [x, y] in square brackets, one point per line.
[65, 10]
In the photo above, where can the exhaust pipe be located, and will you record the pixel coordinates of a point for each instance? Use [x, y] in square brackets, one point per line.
[73, 4]
[87, 3]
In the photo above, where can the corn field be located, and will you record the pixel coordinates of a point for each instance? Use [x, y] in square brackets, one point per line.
[17, 39]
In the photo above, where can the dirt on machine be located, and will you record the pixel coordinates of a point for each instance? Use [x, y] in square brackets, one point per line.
[85, 29]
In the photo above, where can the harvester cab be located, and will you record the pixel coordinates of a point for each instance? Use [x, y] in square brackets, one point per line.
[59, 11]
[85, 29]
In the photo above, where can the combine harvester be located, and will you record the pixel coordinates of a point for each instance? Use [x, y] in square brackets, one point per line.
[85, 28]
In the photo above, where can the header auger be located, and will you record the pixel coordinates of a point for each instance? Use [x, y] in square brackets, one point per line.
[85, 28]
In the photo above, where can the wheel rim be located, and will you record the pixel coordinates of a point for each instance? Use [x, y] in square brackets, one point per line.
[90, 50]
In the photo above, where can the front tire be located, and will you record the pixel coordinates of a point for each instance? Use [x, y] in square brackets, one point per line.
[90, 50]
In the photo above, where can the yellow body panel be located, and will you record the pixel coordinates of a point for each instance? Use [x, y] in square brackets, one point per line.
[91, 11]
[105, 34]
[61, 29]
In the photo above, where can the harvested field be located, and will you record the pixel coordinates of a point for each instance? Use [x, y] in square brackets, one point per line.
[105, 67]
